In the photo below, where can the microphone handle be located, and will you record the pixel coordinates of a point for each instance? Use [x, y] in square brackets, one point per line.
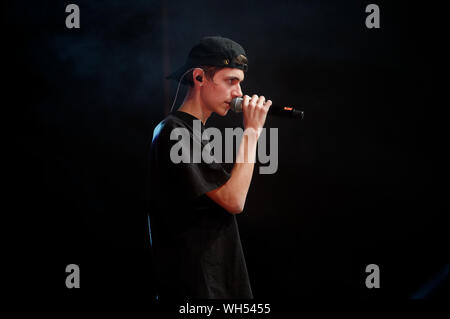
[285, 111]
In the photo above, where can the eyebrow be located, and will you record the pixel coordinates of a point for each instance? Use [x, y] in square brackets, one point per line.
[232, 77]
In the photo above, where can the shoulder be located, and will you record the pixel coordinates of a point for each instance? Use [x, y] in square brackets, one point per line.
[163, 130]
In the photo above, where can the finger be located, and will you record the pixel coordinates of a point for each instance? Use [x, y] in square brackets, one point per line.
[246, 101]
[261, 101]
[254, 100]
[252, 105]
[268, 104]
[246, 105]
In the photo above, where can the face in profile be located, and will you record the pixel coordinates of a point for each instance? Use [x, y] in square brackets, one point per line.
[218, 92]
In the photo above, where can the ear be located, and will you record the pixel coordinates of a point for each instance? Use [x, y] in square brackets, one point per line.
[198, 75]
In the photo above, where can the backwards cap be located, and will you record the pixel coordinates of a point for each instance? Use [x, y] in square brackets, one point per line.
[213, 51]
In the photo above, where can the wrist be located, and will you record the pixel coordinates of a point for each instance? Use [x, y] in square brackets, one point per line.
[253, 133]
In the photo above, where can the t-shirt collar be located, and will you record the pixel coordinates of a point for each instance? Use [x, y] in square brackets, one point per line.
[186, 116]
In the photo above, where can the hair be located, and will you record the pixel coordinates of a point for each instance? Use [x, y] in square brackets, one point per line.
[210, 71]
[241, 60]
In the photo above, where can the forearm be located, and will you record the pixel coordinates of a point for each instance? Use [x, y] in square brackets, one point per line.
[233, 193]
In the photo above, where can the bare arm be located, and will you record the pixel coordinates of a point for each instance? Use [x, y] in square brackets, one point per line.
[232, 195]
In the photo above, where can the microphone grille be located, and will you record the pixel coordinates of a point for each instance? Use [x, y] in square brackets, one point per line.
[236, 104]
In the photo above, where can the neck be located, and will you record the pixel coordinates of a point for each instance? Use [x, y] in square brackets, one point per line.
[193, 105]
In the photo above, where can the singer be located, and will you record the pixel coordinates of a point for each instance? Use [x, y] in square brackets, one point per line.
[193, 206]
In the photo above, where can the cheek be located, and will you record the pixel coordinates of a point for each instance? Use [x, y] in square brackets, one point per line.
[216, 94]
[210, 97]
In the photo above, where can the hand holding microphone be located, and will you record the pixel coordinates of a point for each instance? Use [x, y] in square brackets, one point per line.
[255, 111]
[285, 111]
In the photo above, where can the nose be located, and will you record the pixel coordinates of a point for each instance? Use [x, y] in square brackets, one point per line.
[237, 91]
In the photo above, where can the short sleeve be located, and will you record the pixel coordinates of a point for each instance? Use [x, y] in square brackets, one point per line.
[190, 177]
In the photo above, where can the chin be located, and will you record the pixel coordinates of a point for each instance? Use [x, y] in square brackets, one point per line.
[222, 112]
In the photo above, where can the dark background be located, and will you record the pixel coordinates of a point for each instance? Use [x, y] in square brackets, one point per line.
[362, 179]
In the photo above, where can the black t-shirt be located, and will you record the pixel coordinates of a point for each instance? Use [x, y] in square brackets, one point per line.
[195, 242]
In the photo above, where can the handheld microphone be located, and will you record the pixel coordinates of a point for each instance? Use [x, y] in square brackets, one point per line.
[285, 111]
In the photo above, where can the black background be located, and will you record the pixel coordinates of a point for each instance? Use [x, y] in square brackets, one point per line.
[362, 179]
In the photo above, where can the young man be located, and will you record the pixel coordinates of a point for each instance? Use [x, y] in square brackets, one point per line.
[194, 233]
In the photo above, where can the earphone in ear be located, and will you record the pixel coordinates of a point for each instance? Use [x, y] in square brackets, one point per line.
[199, 78]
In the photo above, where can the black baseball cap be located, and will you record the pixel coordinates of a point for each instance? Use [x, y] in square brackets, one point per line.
[213, 51]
